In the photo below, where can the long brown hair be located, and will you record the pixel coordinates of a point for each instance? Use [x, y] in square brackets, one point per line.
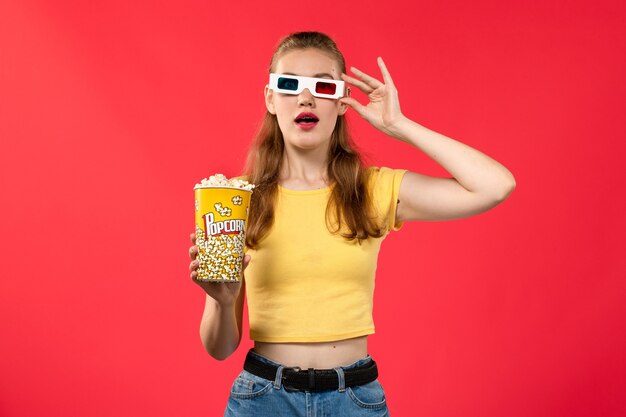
[350, 201]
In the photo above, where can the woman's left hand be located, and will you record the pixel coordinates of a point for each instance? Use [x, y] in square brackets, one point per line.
[383, 110]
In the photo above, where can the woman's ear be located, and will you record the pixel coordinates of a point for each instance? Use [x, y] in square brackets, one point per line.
[269, 99]
[343, 108]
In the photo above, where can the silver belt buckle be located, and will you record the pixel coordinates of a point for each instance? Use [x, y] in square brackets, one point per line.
[284, 377]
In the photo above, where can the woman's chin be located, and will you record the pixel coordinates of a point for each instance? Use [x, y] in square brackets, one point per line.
[308, 142]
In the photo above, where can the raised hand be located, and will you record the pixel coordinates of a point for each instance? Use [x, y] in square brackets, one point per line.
[383, 109]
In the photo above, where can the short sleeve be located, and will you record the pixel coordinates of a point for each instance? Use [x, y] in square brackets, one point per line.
[385, 191]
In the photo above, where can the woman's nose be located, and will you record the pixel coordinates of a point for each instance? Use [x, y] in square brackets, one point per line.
[305, 97]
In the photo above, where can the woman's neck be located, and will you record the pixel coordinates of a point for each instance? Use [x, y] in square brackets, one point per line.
[305, 167]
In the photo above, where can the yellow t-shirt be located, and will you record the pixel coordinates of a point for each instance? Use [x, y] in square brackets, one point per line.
[304, 284]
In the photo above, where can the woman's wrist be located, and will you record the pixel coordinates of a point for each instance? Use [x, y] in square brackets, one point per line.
[404, 129]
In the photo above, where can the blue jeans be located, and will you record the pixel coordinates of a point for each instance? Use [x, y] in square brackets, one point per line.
[254, 396]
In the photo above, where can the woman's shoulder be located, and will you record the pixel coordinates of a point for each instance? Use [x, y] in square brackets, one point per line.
[384, 181]
[384, 186]
[378, 173]
[379, 168]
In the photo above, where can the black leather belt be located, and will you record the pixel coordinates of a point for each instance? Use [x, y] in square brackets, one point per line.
[312, 379]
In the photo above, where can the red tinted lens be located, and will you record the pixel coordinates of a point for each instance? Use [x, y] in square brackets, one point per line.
[325, 88]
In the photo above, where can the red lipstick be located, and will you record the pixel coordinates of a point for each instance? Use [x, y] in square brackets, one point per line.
[307, 120]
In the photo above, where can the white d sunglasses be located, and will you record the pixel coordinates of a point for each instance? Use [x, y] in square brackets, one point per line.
[319, 87]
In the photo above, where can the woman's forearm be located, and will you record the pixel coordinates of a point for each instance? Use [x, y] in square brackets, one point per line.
[219, 329]
[474, 170]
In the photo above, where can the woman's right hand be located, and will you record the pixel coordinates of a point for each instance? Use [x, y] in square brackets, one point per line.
[225, 293]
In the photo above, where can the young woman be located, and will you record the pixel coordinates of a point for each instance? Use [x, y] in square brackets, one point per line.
[316, 223]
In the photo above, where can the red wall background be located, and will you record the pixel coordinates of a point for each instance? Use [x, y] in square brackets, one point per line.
[111, 111]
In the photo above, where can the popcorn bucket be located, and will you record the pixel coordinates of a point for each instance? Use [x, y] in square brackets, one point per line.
[221, 219]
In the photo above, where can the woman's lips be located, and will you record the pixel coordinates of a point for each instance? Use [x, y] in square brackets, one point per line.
[309, 122]
[306, 125]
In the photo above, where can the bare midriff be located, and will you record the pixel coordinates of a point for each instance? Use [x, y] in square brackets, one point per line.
[320, 355]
